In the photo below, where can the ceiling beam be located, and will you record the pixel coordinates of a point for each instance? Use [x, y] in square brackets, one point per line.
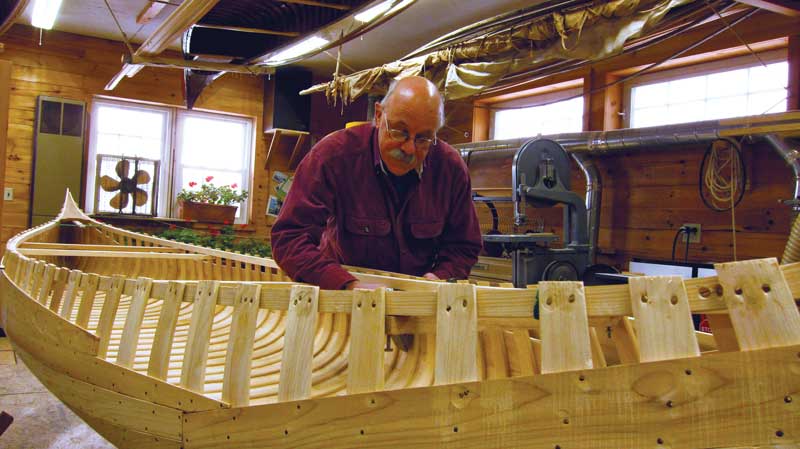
[320, 4]
[785, 7]
[150, 11]
[248, 30]
[178, 63]
[186, 15]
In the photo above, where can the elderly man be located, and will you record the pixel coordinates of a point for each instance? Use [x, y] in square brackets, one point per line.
[388, 196]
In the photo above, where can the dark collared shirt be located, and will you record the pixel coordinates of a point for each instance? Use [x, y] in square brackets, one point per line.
[343, 209]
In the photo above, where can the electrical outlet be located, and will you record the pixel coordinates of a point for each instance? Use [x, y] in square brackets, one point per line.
[694, 237]
[8, 194]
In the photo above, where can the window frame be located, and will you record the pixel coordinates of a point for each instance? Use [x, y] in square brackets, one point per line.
[169, 187]
[548, 95]
[693, 70]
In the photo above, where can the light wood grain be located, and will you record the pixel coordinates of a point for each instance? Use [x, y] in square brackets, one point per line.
[47, 283]
[70, 293]
[298, 344]
[564, 328]
[193, 371]
[760, 304]
[165, 331]
[238, 359]
[109, 313]
[129, 342]
[365, 367]
[89, 283]
[456, 334]
[664, 323]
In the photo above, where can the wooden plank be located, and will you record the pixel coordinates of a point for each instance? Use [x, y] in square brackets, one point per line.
[365, 370]
[30, 275]
[113, 254]
[149, 12]
[298, 344]
[46, 284]
[193, 371]
[25, 318]
[625, 341]
[521, 360]
[456, 334]
[80, 247]
[109, 313]
[239, 357]
[71, 292]
[89, 283]
[722, 330]
[760, 304]
[598, 356]
[59, 285]
[564, 327]
[663, 320]
[127, 412]
[621, 406]
[494, 353]
[165, 331]
[129, 342]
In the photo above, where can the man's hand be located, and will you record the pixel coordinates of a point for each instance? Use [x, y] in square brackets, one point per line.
[430, 277]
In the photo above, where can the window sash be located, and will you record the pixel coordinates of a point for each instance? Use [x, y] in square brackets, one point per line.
[172, 169]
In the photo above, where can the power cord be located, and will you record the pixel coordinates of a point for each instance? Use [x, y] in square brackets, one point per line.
[688, 231]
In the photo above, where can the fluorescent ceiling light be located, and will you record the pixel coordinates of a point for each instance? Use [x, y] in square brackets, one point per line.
[44, 13]
[299, 49]
[374, 12]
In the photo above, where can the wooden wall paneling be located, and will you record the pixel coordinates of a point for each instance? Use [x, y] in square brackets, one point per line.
[5, 92]
[793, 102]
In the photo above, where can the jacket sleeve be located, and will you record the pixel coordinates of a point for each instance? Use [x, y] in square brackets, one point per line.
[297, 232]
[461, 239]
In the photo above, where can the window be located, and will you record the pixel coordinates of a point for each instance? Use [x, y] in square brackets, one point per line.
[713, 92]
[541, 114]
[202, 144]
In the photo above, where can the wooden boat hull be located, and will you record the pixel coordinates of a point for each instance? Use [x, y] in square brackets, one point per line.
[155, 363]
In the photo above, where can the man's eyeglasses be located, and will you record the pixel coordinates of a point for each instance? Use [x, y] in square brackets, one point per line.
[401, 135]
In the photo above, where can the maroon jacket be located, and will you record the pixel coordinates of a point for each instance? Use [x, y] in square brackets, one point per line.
[339, 211]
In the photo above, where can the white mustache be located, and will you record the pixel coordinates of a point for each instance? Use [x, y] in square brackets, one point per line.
[402, 156]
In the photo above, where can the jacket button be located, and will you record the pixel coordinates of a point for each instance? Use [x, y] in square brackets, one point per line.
[366, 229]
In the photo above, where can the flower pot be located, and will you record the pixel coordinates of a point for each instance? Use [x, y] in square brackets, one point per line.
[209, 213]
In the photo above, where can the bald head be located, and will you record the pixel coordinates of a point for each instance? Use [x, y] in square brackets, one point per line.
[417, 94]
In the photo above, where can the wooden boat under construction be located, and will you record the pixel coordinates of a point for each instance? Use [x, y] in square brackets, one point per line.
[162, 344]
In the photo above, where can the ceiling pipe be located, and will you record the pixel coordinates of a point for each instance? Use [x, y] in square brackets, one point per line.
[582, 146]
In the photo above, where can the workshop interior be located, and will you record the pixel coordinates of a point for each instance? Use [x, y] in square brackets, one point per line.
[633, 165]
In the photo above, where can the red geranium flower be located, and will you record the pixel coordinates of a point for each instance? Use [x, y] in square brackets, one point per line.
[227, 222]
[215, 232]
[172, 226]
[234, 185]
[192, 184]
[209, 178]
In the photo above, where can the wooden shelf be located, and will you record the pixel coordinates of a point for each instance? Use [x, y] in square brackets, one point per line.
[294, 153]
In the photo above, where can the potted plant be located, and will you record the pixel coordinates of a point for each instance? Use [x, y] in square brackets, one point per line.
[210, 203]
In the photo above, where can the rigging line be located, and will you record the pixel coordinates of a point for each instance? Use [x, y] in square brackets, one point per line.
[639, 72]
[338, 61]
[739, 37]
[124, 36]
